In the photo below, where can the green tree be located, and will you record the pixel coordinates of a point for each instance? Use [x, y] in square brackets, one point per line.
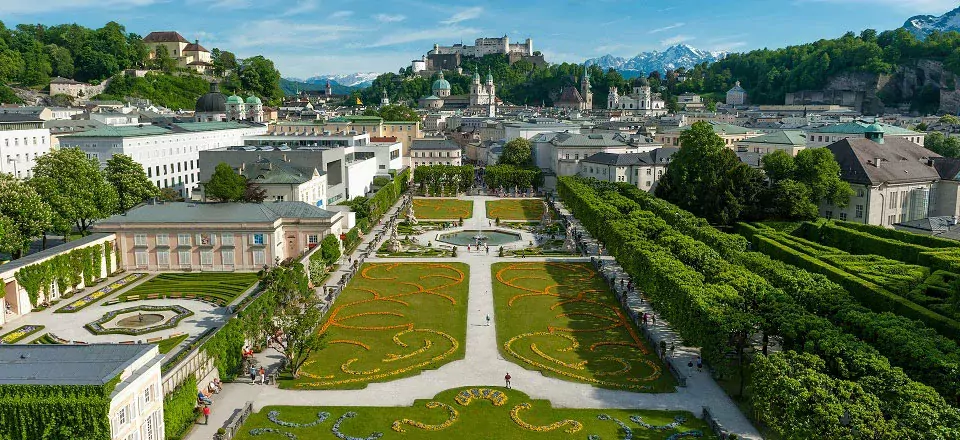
[397, 112]
[223, 61]
[819, 170]
[75, 187]
[130, 181]
[24, 212]
[225, 184]
[169, 195]
[330, 249]
[708, 179]
[258, 75]
[61, 61]
[949, 119]
[517, 152]
[162, 60]
[778, 165]
[791, 200]
[253, 193]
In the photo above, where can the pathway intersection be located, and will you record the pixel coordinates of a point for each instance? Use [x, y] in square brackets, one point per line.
[484, 366]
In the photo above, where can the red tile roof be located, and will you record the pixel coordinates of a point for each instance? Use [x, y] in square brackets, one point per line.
[165, 37]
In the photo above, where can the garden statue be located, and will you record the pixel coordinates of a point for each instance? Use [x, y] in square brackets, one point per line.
[394, 244]
[411, 218]
[547, 218]
[568, 244]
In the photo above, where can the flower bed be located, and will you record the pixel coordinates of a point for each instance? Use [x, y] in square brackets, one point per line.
[573, 425]
[20, 334]
[99, 293]
[452, 416]
[349, 415]
[96, 327]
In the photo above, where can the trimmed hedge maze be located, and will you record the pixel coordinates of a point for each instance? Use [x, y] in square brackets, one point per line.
[218, 288]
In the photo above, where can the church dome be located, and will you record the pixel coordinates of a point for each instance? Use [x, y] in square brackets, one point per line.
[642, 82]
[253, 100]
[440, 84]
[489, 77]
[212, 102]
[234, 99]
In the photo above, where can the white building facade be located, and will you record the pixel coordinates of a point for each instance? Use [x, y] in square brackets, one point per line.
[22, 140]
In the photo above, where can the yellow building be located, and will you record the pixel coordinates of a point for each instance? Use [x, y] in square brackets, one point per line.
[188, 55]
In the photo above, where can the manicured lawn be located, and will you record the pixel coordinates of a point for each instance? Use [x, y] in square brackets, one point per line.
[221, 288]
[442, 209]
[477, 419]
[170, 343]
[561, 319]
[515, 209]
[393, 320]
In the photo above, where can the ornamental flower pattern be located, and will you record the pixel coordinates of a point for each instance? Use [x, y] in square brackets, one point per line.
[99, 293]
[627, 431]
[20, 333]
[340, 435]
[274, 416]
[260, 431]
[677, 421]
[96, 327]
[572, 425]
[452, 417]
[496, 397]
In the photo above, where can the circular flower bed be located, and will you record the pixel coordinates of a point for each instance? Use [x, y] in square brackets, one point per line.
[97, 327]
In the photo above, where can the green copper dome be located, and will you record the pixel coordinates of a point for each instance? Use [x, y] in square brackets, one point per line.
[489, 77]
[440, 84]
[254, 100]
[874, 128]
[234, 100]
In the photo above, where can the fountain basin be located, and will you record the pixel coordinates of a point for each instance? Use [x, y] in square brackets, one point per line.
[493, 237]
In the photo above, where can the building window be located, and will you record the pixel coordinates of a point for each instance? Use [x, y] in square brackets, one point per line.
[893, 200]
[843, 216]
[141, 258]
[140, 239]
[163, 239]
[183, 240]
[206, 258]
[859, 212]
[859, 192]
[148, 394]
[163, 258]
[227, 257]
[313, 239]
[184, 257]
[122, 416]
[828, 214]
[226, 239]
[619, 178]
[257, 238]
[258, 258]
[891, 219]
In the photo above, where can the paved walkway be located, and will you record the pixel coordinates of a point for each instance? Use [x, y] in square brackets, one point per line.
[483, 366]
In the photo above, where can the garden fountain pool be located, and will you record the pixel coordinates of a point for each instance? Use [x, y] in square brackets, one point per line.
[491, 237]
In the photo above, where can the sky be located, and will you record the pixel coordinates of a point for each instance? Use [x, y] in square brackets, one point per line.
[310, 37]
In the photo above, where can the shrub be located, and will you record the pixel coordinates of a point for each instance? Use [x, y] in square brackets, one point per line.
[179, 409]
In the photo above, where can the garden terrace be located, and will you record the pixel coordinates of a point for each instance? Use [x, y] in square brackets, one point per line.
[392, 320]
[479, 413]
[563, 320]
[442, 209]
[694, 281]
[218, 288]
[515, 209]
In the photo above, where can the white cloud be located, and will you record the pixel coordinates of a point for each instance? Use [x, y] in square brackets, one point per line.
[341, 14]
[666, 28]
[303, 6]
[281, 34]
[17, 7]
[676, 39]
[387, 18]
[464, 15]
[446, 33]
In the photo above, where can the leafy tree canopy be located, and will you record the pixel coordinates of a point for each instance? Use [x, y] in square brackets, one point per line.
[517, 152]
[398, 112]
[130, 181]
[225, 184]
[75, 187]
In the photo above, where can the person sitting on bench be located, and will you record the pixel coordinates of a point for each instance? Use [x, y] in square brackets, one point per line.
[203, 398]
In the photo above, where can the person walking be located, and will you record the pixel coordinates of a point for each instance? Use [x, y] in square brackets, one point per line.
[253, 374]
[507, 380]
[206, 414]
[653, 319]
[263, 376]
[699, 364]
[488, 320]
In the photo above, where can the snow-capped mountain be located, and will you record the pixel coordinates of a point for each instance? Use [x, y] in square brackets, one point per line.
[359, 79]
[923, 25]
[681, 55]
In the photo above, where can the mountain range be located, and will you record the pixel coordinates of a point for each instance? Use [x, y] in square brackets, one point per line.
[923, 25]
[681, 55]
[358, 80]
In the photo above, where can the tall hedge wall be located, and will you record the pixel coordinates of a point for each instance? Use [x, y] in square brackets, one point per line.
[55, 412]
[179, 409]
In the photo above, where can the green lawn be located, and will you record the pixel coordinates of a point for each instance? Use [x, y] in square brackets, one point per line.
[515, 209]
[221, 288]
[479, 419]
[170, 343]
[442, 209]
[393, 320]
[561, 319]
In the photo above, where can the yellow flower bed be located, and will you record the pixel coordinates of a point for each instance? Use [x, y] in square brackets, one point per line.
[451, 419]
[573, 425]
[496, 397]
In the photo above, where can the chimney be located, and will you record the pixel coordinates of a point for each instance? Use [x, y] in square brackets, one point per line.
[876, 162]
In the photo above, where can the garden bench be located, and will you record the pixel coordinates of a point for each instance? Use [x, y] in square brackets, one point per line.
[152, 340]
[153, 296]
[111, 302]
[174, 335]
[127, 342]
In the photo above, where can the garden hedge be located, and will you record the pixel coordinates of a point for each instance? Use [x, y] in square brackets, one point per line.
[56, 411]
[179, 409]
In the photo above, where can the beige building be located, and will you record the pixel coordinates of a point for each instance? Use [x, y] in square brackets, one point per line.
[731, 134]
[438, 151]
[789, 141]
[404, 131]
[641, 169]
[136, 403]
[188, 55]
[218, 236]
